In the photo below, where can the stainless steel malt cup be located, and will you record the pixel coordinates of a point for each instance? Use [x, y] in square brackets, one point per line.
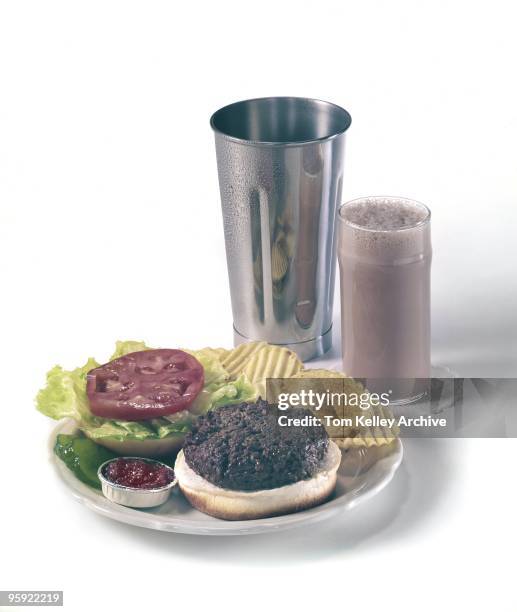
[280, 164]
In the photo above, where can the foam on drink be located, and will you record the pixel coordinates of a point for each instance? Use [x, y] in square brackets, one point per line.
[384, 229]
[384, 213]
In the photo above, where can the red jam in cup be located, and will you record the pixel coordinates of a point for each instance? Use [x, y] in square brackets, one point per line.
[138, 473]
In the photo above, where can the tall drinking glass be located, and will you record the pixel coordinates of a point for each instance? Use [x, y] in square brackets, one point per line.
[384, 254]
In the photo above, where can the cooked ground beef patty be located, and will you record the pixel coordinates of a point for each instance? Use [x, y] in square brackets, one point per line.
[243, 448]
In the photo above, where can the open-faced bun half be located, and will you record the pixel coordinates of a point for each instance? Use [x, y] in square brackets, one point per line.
[243, 505]
[143, 448]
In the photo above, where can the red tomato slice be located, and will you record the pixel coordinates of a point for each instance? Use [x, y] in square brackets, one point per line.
[144, 385]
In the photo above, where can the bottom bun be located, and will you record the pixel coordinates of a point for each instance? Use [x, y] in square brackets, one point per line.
[143, 448]
[244, 505]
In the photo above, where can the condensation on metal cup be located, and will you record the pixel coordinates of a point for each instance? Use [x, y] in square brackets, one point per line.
[280, 163]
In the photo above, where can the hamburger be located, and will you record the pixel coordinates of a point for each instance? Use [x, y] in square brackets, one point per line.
[238, 463]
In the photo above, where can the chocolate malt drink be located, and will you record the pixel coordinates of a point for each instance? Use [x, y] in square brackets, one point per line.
[384, 254]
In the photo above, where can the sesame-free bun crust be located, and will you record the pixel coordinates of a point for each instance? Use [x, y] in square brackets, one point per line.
[244, 505]
[143, 448]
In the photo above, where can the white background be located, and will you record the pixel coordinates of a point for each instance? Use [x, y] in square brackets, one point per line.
[111, 229]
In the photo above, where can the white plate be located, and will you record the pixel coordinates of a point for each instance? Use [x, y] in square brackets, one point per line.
[361, 475]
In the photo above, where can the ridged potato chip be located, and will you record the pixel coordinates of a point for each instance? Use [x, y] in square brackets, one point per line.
[271, 362]
[353, 436]
[365, 436]
[350, 385]
[235, 360]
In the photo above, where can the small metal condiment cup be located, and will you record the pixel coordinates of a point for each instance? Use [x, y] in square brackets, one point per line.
[135, 497]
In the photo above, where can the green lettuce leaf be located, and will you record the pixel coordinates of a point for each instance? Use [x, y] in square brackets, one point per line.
[65, 397]
[65, 393]
[128, 346]
[219, 389]
[154, 429]
[214, 370]
[222, 393]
